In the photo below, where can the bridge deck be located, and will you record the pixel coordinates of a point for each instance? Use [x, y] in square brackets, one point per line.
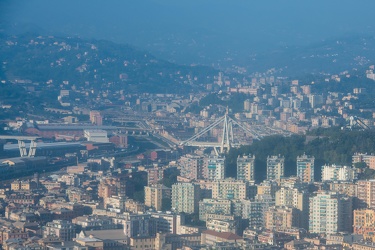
[26, 138]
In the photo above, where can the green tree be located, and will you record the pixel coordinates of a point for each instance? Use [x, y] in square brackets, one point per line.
[166, 204]
[328, 146]
[360, 165]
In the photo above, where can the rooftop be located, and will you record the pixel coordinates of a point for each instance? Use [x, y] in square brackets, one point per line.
[113, 234]
[224, 235]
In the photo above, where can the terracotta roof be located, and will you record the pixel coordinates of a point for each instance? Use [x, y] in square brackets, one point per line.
[224, 235]
[297, 242]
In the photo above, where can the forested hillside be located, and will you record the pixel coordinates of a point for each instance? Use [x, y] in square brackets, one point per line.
[328, 146]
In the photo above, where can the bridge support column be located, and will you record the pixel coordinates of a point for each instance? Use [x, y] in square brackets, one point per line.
[22, 147]
[32, 149]
[23, 151]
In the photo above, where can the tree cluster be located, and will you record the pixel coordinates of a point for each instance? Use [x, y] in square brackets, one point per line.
[328, 146]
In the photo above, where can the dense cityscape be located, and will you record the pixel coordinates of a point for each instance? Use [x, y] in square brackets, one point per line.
[105, 146]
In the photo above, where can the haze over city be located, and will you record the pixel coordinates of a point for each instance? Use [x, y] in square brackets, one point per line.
[187, 125]
[174, 30]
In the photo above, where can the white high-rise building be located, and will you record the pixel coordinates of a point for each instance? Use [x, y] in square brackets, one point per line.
[330, 212]
[215, 168]
[245, 168]
[338, 173]
[275, 167]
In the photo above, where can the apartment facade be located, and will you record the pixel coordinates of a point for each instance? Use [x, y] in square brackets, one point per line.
[155, 194]
[185, 197]
[330, 212]
[338, 173]
[275, 167]
[230, 189]
[246, 168]
[215, 169]
[305, 168]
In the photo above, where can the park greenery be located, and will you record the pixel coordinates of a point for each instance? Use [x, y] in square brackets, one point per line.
[328, 146]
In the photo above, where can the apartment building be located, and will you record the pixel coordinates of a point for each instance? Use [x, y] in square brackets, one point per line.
[246, 168]
[275, 167]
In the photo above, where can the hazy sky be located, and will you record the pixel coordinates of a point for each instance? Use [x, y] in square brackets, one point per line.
[180, 28]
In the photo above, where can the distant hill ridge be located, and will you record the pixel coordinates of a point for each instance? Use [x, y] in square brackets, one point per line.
[94, 63]
[326, 57]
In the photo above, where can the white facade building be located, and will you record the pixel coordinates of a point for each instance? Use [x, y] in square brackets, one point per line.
[330, 213]
[96, 135]
[215, 168]
[338, 173]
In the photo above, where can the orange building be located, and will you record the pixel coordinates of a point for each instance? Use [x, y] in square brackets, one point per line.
[12, 233]
[364, 222]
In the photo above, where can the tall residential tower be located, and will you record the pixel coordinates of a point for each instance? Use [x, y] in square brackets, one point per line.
[275, 167]
[305, 168]
[215, 168]
[330, 212]
[245, 168]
